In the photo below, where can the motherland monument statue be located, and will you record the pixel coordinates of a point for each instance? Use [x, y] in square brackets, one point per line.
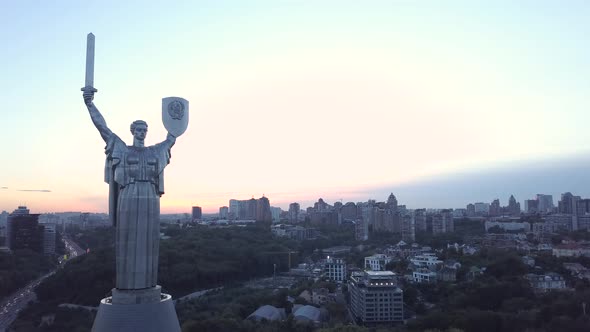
[135, 174]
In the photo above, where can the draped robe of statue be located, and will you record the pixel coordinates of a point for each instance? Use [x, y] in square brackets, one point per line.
[136, 180]
[135, 175]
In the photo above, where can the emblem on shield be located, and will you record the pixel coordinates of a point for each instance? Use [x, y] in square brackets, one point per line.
[175, 115]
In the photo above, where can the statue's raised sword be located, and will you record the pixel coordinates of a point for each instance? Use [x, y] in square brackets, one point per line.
[89, 86]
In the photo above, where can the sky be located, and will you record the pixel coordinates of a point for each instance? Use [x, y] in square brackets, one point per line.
[297, 100]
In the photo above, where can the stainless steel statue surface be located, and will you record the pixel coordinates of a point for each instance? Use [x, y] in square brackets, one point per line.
[135, 174]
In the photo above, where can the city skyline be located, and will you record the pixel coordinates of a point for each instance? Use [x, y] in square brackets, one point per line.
[300, 101]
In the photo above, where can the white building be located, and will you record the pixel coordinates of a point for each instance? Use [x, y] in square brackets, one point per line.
[424, 276]
[335, 269]
[375, 297]
[513, 226]
[376, 262]
[234, 208]
[543, 283]
[571, 250]
[425, 260]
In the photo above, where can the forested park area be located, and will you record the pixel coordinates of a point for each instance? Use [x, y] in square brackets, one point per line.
[191, 259]
[20, 267]
[200, 257]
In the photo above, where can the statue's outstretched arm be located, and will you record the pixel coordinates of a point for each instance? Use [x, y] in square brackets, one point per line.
[96, 117]
[168, 142]
[171, 138]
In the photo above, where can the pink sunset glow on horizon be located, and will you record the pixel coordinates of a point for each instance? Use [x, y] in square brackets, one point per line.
[291, 101]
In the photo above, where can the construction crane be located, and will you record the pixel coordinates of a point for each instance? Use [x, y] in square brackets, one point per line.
[282, 252]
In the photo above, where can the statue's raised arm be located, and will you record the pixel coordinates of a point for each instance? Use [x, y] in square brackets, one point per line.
[96, 117]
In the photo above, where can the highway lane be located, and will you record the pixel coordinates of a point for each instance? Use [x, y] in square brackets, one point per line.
[13, 304]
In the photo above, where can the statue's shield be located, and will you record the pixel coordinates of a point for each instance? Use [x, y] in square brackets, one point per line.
[175, 115]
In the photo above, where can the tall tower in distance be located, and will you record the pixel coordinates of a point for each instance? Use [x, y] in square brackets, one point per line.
[391, 202]
[24, 231]
[197, 213]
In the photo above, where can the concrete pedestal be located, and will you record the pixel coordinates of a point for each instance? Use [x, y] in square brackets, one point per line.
[136, 310]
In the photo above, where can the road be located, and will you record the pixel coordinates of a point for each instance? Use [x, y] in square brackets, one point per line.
[14, 303]
[73, 248]
[197, 294]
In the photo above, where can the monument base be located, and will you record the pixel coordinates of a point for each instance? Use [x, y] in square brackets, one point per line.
[136, 310]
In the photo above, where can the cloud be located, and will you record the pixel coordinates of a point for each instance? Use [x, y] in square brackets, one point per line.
[35, 190]
[456, 190]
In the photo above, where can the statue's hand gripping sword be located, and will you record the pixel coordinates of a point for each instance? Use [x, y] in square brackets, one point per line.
[89, 87]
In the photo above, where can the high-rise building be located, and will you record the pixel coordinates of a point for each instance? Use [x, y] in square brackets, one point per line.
[335, 269]
[234, 209]
[495, 209]
[531, 206]
[263, 212]
[437, 224]
[583, 222]
[482, 208]
[561, 222]
[49, 239]
[321, 206]
[323, 217]
[391, 202]
[3, 230]
[459, 213]
[568, 203]
[545, 203]
[379, 219]
[470, 210]
[513, 206]
[250, 209]
[276, 214]
[387, 220]
[349, 211]
[294, 209]
[24, 231]
[223, 212]
[361, 230]
[583, 207]
[449, 222]
[420, 220]
[197, 213]
[375, 297]
[3, 218]
[408, 228]
[442, 222]
[368, 211]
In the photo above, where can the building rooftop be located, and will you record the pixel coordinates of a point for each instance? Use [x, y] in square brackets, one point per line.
[268, 312]
[307, 313]
[380, 273]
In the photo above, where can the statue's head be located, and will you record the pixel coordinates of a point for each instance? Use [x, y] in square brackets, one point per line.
[139, 129]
